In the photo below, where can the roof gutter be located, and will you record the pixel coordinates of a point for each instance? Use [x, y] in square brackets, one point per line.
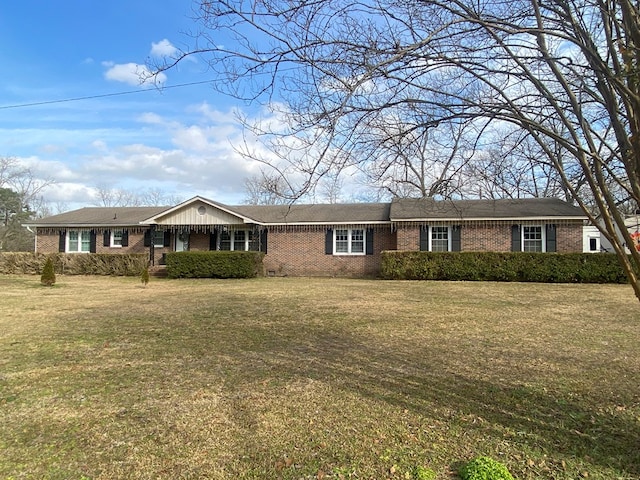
[485, 219]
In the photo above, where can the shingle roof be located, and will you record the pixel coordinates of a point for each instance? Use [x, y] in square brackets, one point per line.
[529, 208]
[398, 210]
[99, 216]
[316, 214]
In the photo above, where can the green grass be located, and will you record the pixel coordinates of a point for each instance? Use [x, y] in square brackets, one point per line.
[101, 378]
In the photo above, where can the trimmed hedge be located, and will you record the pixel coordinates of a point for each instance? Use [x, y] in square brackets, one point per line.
[503, 267]
[74, 264]
[214, 264]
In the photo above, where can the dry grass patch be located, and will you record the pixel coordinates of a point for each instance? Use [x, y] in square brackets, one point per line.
[316, 378]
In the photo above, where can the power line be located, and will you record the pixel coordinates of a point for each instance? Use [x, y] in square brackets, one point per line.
[104, 95]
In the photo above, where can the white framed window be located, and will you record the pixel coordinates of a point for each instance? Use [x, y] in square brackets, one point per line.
[349, 241]
[436, 238]
[440, 239]
[116, 238]
[533, 238]
[78, 241]
[238, 240]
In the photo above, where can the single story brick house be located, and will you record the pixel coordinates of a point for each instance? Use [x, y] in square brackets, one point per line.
[329, 239]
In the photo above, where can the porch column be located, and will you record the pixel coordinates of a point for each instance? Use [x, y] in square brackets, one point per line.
[152, 248]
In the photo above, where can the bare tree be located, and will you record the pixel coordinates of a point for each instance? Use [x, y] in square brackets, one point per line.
[22, 180]
[20, 200]
[566, 72]
[512, 165]
[266, 189]
[153, 197]
[120, 197]
[408, 159]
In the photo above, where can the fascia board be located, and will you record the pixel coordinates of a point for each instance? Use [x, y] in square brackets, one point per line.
[485, 219]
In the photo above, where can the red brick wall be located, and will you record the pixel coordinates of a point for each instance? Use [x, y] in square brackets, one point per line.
[136, 245]
[485, 238]
[493, 238]
[298, 252]
[569, 238]
[47, 242]
[408, 237]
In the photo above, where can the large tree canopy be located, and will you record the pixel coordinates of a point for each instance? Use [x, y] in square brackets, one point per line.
[359, 83]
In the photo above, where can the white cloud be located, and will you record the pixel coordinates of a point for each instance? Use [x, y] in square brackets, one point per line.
[163, 48]
[185, 156]
[133, 74]
[150, 118]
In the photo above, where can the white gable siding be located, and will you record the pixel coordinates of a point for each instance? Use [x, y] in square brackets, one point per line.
[591, 239]
[199, 213]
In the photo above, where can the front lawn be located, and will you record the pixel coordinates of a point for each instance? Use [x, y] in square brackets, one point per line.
[101, 378]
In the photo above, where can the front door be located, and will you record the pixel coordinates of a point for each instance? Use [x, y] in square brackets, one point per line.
[182, 242]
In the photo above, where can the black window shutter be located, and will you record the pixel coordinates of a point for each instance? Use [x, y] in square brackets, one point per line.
[213, 240]
[106, 238]
[551, 237]
[92, 241]
[369, 250]
[424, 238]
[167, 239]
[62, 241]
[125, 238]
[516, 245]
[263, 240]
[328, 242]
[456, 244]
[147, 238]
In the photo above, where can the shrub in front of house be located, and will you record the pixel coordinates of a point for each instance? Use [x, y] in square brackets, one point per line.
[214, 264]
[114, 264]
[20, 263]
[502, 267]
[129, 264]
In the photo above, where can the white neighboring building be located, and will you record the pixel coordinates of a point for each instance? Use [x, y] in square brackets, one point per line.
[593, 241]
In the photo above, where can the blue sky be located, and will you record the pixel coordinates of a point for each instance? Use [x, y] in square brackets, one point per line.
[179, 140]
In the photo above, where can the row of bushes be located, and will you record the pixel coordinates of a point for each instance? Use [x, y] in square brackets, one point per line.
[74, 264]
[503, 267]
[214, 264]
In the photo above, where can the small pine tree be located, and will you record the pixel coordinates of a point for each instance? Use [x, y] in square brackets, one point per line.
[144, 276]
[48, 277]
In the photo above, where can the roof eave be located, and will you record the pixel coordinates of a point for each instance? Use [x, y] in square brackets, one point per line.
[487, 219]
[315, 224]
[79, 225]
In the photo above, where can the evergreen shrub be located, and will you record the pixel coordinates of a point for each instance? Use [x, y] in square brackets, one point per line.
[214, 264]
[48, 277]
[144, 276]
[503, 267]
